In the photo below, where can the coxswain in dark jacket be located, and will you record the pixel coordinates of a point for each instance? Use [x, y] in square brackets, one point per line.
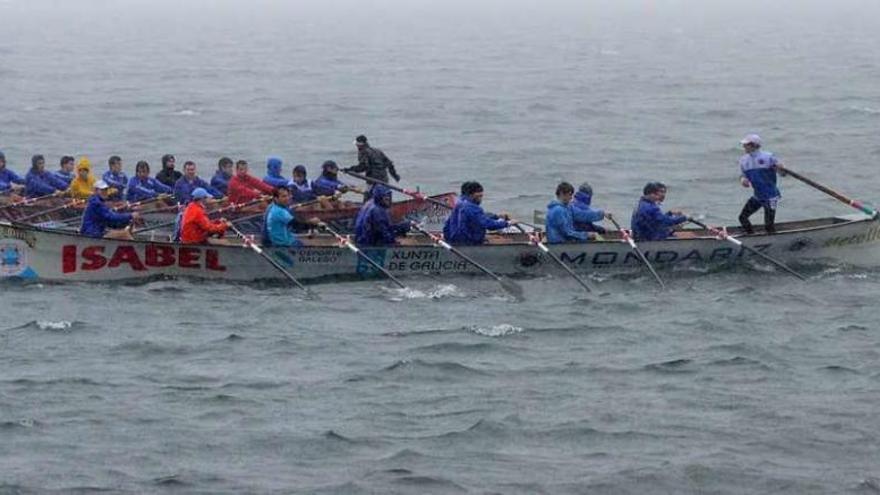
[649, 223]
[372, 162]
[168, 175]
[468, 223]
[373, 225]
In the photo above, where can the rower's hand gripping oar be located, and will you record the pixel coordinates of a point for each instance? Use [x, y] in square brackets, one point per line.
[632, 244]
[508, 285]
[722, 234]
[413, 194]
[831, 192]
[345, 241]
[536, 240]
[249, 243]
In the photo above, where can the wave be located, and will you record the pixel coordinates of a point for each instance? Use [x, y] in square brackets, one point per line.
[671, 366]
[499, 330]
[456, 347]
[25, 424]
[49, 325]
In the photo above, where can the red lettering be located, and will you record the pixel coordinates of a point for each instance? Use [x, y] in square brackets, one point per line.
[94, 258]
[159, 256]
[212, 261]
[126, 254]
[188, 257]
[68, 259]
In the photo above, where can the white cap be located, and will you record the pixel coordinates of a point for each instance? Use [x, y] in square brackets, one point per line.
[101, 185]
[751, 139]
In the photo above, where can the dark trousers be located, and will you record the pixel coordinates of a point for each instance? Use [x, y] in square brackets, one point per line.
[751, 207]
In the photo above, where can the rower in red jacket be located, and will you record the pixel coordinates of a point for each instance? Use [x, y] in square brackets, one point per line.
[196, 228]
[244, 187]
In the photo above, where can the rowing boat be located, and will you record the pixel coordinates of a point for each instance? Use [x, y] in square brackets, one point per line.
[32, 252]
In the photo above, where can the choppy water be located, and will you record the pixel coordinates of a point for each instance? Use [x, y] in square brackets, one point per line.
[733, 381]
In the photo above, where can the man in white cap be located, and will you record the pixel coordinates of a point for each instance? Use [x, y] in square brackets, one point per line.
[759, 170]
[98, 218]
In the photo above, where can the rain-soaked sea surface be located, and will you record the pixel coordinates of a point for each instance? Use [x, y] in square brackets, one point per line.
[734, 380]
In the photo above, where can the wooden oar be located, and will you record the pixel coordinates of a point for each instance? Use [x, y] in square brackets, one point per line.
[129, 206]
[721, 234]
[413, 194]
[29, 201]
[632, 244]
[51, 210]
[249, 242]
[534, 239]
[345, 241]
[224, 209]
[831, 192]
[508, 285]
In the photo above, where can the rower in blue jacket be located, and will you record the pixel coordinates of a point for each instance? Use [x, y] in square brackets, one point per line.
[185, 186]
[142, 187]
[468, 223]
[300, 188]
[39, 182]
[115, 178]
[328, 183]
[98, 218]
[373, 225]
[560, 222]
[65, 171]
[583, 213]
[9, 180]
[649, 223]
[274, 177]
[759, 169]
[223, 175]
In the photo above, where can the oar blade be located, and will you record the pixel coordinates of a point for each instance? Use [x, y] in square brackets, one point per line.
[514, 289]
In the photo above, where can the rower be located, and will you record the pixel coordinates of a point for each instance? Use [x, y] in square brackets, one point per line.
[649, 223]
[244, 187]
[185, 186]
[467, 224]
[560, 222]
[39, 182]
[300, 189]
[142, 187]
[10, 182]
[274, 177]
[168, 175]
[328, 183]
[583, 213]
[83, 185]
[759, 169]
[279, 222]
[373, 224]
[116, 178]
[65, 171]
[223, 175]
[195, 227]
[98, 217]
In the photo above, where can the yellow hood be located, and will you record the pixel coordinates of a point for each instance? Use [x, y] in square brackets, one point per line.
[79, 188]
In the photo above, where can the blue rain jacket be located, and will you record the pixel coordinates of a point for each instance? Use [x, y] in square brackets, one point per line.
[183, 189]
[116, 181]
[42, 184]
[373, 224]
[325, 186]
[584, 215]
[143, 189]
[300, 193]
[760, 168]
[97, 218]
[220, 182]
[9, 177]
[560, 224]
[273, 173]
[649, 223]
[62, 176]
[467, 224]
[277, 224]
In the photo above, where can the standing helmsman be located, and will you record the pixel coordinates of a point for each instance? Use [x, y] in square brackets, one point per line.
[759, 169]
[373, 163]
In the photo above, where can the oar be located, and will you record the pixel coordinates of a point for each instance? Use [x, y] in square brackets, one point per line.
[129, 206]
[29, 201]
[543, 247]
[50, 210]
[248, 242]
[413, 194]
[224, 209]
[831, 192]
[733, 240]
[294, 207]
[632, 244]
[345, 241]
[508, 285]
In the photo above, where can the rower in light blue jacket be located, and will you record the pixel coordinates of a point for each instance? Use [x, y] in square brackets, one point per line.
[560, 221]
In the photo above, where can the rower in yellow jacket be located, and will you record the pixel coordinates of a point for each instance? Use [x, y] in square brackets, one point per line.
[83, 185]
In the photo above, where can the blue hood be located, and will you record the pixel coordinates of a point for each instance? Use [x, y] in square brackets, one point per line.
[273, 166]
[555, 204]
[379, 191]
[584, 198]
